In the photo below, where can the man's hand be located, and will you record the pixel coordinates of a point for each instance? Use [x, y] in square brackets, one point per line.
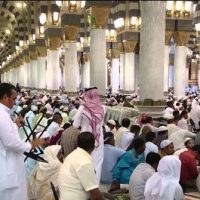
[36, 142]
[19, 121]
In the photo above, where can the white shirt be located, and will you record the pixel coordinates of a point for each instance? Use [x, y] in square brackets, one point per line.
[12, 173]
[126, 139]
[119, 135]
[138, 180]
[195, 114]
[178, 138]
[150, 147]
[182, 123]
[168, 111]
[172, 128]
[77, 176]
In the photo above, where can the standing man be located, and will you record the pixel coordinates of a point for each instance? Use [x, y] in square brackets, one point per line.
[12, 173]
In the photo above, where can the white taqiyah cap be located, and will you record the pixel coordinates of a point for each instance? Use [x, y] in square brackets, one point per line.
[162, 128]
[112, 122]
[165, 143]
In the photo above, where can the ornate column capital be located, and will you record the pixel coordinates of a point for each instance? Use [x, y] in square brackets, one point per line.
[168, 35]
[71, 32]
[181, 37]
[41, 48]
[54, 36]
[114, 53]
[54, 43]
[98, 16]
[32, 52]
[128, 46]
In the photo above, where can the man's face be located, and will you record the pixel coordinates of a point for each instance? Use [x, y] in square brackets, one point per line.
[9, 101]
[169, 150]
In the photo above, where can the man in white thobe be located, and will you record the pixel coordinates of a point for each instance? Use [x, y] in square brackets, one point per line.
[12, 173]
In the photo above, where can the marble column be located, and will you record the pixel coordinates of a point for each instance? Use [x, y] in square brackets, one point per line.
[166, 69]
[41, 70]
[121, 71]
[180, 71]
[25, 74]
[71, 69]
[29, 77]
[86, 74]
[98, 59]
[34, 74]
[171, 76]
[53, 73]
[152, 41]
[129, 71]
[137, 57]
[115, 75]
[98, 65]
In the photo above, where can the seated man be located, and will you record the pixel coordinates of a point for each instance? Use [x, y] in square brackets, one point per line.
[128, 162]
[150, 144]
[77, 179]
[141, 174]
[188, 145]
[189, 170]
[167, 148]
[111, 156]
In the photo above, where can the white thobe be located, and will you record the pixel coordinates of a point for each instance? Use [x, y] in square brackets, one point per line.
[195, 115]
[178, 138]
[12, 172]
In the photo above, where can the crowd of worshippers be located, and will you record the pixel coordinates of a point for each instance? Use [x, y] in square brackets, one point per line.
[86, 156]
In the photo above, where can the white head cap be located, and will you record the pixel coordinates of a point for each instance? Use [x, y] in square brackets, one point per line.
[162, 128]
[34, 108]
[165, 143]
[112, 122]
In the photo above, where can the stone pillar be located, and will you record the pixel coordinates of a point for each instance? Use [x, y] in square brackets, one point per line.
[166, 69]
[129, 65]
[86, 72]
[168, 35]
[180, 70]
[121, 70]
[71, 69]
[53, 75]
[115, 54]
[98, 66]
[137, 57]
[152, 38]
[25, 74]
[33, 64]
[28, 69]
[171, 76]
[41, 66]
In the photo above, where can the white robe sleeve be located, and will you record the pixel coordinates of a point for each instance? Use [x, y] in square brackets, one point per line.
[9, 136]
[78, 117]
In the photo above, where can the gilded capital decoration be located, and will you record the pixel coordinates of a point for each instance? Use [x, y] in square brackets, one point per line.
[71, 32]
[128, 46]
[27, 58]
[181, 37]
[98, 16]
[41, 51]
[113, 53]
[33, 55]
[168, 35]
[54, 43]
